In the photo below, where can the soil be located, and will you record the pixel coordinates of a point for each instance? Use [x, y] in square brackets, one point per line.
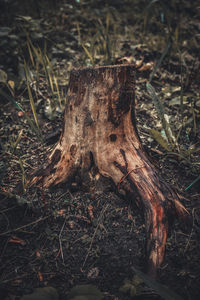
[71, 235]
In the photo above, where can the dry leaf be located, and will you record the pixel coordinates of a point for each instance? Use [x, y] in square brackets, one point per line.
[40, 276]
[38, 254]
[16, 240]
[138, 63]
[93, 273]
[20, 114]
[147, 67]
[61, 212]
[71, 224]
[11, 84]
[90, 211]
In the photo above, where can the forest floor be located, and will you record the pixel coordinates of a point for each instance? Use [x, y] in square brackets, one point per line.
[68, 236]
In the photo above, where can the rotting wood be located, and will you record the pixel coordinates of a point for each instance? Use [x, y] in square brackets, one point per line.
[100, 137]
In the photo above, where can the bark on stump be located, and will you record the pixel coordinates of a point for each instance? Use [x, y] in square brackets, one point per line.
[100, 130]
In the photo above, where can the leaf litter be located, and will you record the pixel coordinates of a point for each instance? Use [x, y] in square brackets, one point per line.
[67, 237]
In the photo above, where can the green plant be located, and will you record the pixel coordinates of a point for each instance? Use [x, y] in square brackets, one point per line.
[42, 69]
[174, 137]
[102, 43]
[14, 143]
[9, 94]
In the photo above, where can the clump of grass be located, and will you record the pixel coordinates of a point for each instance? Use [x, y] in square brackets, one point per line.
[173, 136]
[102, 44]
[15, 143]
[42, 68]
[9, 94]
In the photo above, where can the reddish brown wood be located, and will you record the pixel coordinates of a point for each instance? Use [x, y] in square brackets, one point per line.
[100, 137]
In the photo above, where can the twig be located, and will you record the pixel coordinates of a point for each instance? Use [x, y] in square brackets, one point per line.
[192, 230]
[24, 226]
[60, 242]
[102, 212]
[124, 177]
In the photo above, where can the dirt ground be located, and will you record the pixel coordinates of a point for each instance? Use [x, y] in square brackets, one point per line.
[70, 235]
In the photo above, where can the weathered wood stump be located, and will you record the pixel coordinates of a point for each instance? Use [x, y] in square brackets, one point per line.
[100, 131]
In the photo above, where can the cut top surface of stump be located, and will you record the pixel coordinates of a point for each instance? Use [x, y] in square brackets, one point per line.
[112, 84]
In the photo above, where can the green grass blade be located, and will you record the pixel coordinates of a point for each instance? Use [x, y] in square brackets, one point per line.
[33, 127]
[88, 54]
[156, 135]
[30, 122]
[31, 98]
[189, 186]
[30, 53]
[161, 113]
[159, 62]
[11, 99]
[58, 91]
[33, 106]
[15, 144]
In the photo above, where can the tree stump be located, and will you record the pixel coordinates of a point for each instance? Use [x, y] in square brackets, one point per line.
[100, 134]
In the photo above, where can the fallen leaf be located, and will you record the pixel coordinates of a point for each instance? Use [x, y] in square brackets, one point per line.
[40, 276]
[93, 273]
[71, 224]
[138, 63]
[38, 255]
[147, 66]
[126, 59]
[3, 76]
[11, 84]
[90, 211]
[61, 212]
[16, 240]
[20, 114]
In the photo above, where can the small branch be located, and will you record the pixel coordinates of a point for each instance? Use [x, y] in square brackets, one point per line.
[60, 242]
[24, 226]
[94, 234]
